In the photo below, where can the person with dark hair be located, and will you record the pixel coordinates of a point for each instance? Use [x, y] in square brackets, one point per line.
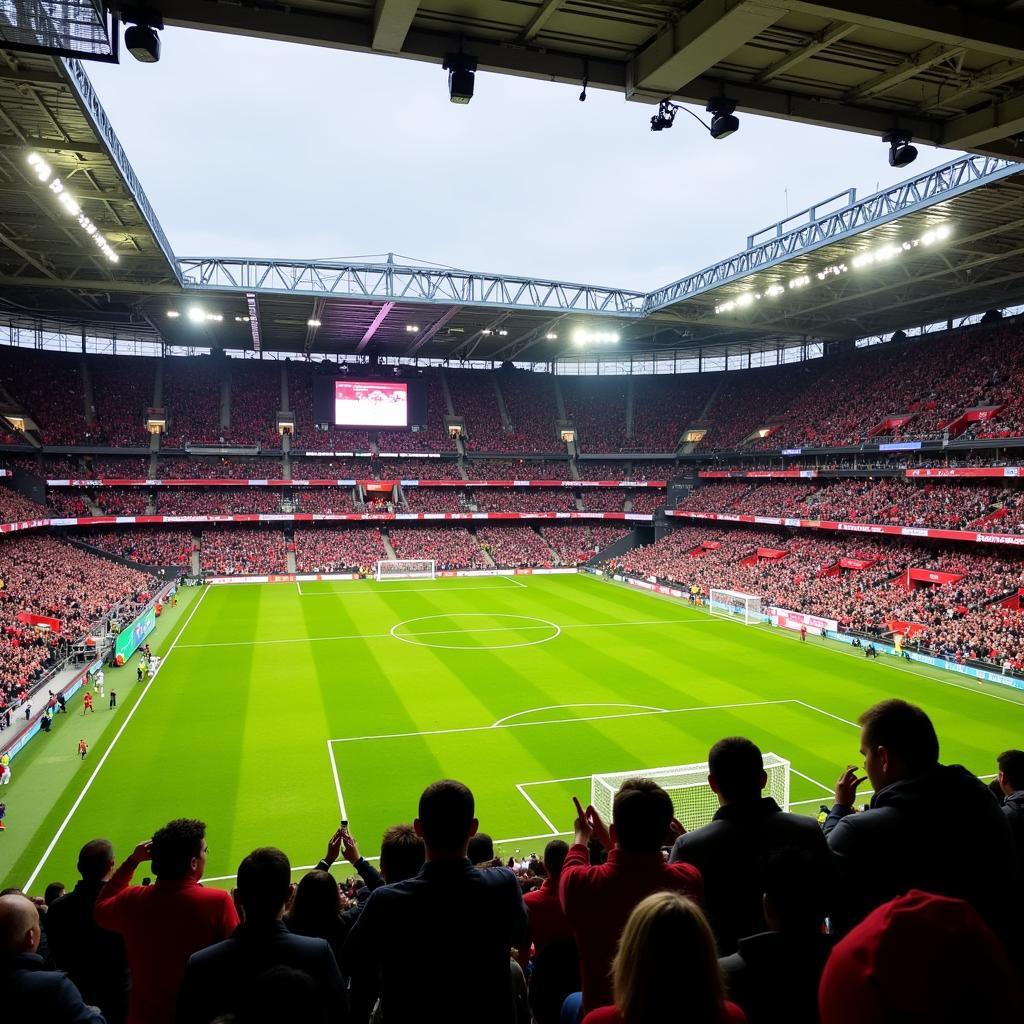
[774, 975]
[920, 959]
[598, 899]
[481, 850]
[283, 994]
[93, 957]
[222, 978]
[1010, 780]
[666, 968]
[52, 893]
[732, 848]
[438, 944]
[929, 825]
[164, 924]
[546, 918]
[28, 991]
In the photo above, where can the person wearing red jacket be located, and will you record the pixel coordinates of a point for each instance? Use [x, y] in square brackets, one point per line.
[547, 921]
[164, 924]
[599, 898]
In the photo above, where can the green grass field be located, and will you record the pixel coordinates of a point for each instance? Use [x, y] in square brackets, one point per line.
[279, 705]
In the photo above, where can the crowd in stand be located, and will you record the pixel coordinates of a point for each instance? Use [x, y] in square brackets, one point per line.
[432, 436]
[48, 577]
[511, 469]
[523, 499]
[122, 388]
[662, 411]
[885, 500]
[192, 400]
[573, 544]
[255, 401]
[435, 499]
[448, 547]
[243, 550]
[646, 502]
[907, 911]
[14, 507]
[596, 406]
[604, 499]
[148, 546]
[68, 503]
[193, 501]
[337, 469]
[961, 619]
[122, 501]
[515, 547]
[355, 549]
[325, 500]
[218, 469]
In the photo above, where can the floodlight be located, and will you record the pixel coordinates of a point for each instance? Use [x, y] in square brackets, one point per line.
[723, 121]
[901, 152]
[312, 323]
[461, 76]
[142, 43]
[196, 315]
[173, 314]
[551, 337]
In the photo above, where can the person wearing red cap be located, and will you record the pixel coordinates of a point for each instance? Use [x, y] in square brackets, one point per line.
[920, 959]
[929, 826]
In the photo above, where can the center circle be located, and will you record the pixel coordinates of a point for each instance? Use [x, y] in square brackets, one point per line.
[434, 636]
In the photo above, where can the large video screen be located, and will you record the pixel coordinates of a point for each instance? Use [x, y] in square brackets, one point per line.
[369, 404]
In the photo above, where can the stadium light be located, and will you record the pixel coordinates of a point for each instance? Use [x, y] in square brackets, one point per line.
[411, 329]
[172, 314]
[582, 336]
[312, 322]
[551, 336]
[44, 172]
[140, 38]
[901, 152]
[461, 76]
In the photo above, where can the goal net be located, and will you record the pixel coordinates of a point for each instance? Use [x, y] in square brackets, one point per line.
[405, 569]
[734, 604]
[693, 800]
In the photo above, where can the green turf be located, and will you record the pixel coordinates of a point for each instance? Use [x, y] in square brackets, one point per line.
[270, 690]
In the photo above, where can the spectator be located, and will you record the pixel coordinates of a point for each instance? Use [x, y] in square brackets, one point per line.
[667, 958]
[774, 975]
[164, 924]
[221, 979]
[481, 850]
[919, 959]
[730, 851]
[929, 825]
[452, 921]
[546, 918]
[28, 991]
[93, 957]
[1011, 784]
[598, 898]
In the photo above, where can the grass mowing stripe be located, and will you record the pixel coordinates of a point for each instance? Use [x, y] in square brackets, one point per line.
[106, 753]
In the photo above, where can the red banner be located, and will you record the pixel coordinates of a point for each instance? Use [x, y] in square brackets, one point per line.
[931, 576]
[856, 563]
[968, 471]
[276, 482]
[31, 619]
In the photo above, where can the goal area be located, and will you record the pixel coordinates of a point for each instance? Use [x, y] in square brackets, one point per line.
[735, 604]
[694, 802]
[405, 569]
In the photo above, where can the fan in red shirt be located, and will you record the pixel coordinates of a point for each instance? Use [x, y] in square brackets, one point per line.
[667, 960]
[598, 899]
[164, 924]
[87, 703]
[547, 920]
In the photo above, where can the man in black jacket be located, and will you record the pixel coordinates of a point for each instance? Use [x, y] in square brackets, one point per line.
[929, 826]
[28, 991]
[222, 978]
[440, 942]
[1011, 782]
[93, 957]
[732, 848]
[773, 976]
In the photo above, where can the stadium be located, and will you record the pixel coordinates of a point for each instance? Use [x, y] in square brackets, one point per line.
[625, 578]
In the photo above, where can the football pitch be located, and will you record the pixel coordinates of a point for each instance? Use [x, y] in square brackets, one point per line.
[280, 708]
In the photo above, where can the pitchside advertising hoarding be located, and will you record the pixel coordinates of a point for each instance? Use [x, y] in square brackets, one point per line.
[133, 636]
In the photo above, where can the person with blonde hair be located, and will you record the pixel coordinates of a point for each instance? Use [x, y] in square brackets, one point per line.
[666, 968]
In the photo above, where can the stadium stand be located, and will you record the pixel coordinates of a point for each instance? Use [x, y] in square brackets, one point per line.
[150, 546]
[338, 550]
[190, 501]
[324, 500]
[492, 469]
[192, 399]
[336, 469]
[515, 546]
[123, 389]
[523, 499]
[243, 551]
[435, 499]
[432, 439]
[255, 401]
[213, 469]
[450, 548]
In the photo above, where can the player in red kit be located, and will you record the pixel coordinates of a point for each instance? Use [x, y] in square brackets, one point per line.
[88, 703]
[83, 749]
[803, 634]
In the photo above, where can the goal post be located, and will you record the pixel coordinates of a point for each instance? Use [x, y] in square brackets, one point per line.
[694, 802]
[735, 604]
[405, 569]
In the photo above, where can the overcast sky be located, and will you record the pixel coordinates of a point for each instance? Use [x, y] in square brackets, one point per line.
[254, 148]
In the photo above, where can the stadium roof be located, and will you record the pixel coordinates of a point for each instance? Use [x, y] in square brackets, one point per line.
[53, 274]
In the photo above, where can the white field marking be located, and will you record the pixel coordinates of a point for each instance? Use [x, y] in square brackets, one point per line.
[595, 704]
[27, 887]
[341, 864]
[860, 793]
[543, 817]
[408, 637]
[384, 636]
[829, 714]
[551, 782]
[820, 785]
[410, 590]
[555, 721]
[512, 579]
[337, 781]
[298, 584]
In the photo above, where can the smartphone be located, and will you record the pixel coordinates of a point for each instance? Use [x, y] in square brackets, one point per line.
[344, 824]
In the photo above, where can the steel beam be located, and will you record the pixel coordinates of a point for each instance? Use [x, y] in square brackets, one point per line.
[990, 124]
[539, 20]
[700, 39]
[391, 22]
[913, 65]
[424, 336]
[382, 315]
[822, 41]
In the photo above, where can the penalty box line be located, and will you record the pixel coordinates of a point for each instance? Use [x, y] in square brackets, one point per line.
[406, 590]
